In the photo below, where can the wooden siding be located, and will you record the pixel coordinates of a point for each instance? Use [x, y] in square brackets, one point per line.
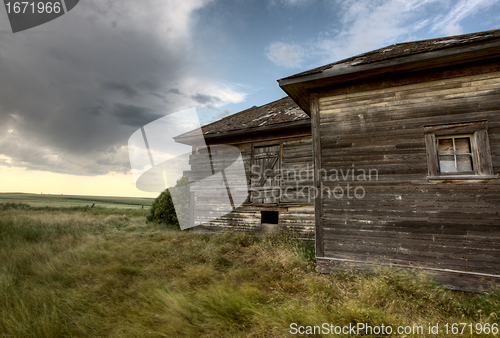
[404, 218]
[296, 210]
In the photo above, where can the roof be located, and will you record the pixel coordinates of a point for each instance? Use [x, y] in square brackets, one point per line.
[397, 58]
[404, 49]
[280, 113]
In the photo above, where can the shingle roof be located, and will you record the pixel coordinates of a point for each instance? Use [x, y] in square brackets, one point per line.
[280, 111]
[405, 49]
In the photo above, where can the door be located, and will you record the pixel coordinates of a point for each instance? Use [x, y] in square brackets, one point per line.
[265, 175]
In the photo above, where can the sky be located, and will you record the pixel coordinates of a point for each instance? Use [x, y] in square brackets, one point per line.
[74, 90]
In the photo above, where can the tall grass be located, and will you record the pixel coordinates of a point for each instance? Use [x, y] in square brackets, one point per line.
[78, 273]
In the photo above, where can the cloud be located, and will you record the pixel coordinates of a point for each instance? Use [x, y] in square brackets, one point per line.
[75, 89]
[170, 21]
[19, 151]
[204, 100]
[285, 55]
[134, 116]
[450, 23]
[290, 3]
[174, 91]
[123, 88]
[365, 25]
[371, 25]
[206, 93]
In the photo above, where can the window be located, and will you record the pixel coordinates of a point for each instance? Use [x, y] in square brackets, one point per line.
[458, 151]
[455, 154]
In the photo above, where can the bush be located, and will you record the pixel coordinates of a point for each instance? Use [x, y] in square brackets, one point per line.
[163, 210]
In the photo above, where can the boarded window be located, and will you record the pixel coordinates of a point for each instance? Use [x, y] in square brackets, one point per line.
[458, 151]
[265, 175]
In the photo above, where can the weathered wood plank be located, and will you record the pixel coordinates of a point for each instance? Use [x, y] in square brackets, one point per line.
[316, 138]
[402, 217]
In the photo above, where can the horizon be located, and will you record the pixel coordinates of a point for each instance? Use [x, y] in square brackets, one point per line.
[74, 90]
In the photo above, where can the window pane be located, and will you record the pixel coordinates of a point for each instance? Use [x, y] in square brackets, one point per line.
[462, 145]
[464, 163]
[445, 146]
[447, 164]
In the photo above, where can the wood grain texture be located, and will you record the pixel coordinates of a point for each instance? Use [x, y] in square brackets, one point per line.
[404, 218]
[291, 152]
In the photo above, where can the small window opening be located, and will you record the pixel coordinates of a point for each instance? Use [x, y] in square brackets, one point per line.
[269, 217]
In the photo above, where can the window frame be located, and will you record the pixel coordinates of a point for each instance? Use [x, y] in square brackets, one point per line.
[480, 149]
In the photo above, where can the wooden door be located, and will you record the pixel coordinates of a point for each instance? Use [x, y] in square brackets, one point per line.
[265, 178]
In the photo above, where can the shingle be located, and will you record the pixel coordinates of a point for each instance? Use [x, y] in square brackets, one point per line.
[280, 111]
[404, 49]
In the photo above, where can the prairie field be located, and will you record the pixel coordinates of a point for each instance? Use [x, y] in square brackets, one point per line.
[103, 272]
[59, 201]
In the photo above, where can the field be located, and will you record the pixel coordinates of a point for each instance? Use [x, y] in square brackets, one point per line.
[58, 201]
[103, 272]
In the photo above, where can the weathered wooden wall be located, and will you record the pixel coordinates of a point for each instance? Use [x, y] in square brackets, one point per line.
[296, 211]
[404, 218]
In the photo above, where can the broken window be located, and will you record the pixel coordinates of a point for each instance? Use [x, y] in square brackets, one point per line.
[458, 151]
[455, 154]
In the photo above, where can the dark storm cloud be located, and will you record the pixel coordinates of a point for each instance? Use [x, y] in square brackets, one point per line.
[122, 88]
[206, 100]
[98, 108]
[150, 85]
[72, 96]
[134, 116]
[175, 91]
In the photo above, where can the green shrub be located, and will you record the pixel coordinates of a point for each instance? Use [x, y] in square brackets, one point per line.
[163, 210]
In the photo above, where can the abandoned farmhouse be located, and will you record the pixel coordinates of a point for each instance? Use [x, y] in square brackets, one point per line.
[390, 157]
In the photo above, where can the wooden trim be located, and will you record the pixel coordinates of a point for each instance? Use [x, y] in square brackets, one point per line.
[463, 177]
[284, 126]
[263, 207]
[250, 198]
[481, 149]
[458, 54]
[432, 159]
[300, 88]
[368, 263]
[484, 163]
[455, 74]
[456, 128]
[318, 201]
[267, 143]
[280, 166]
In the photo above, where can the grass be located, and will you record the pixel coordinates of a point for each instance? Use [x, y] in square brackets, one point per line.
[81, 272]
[68, 201]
